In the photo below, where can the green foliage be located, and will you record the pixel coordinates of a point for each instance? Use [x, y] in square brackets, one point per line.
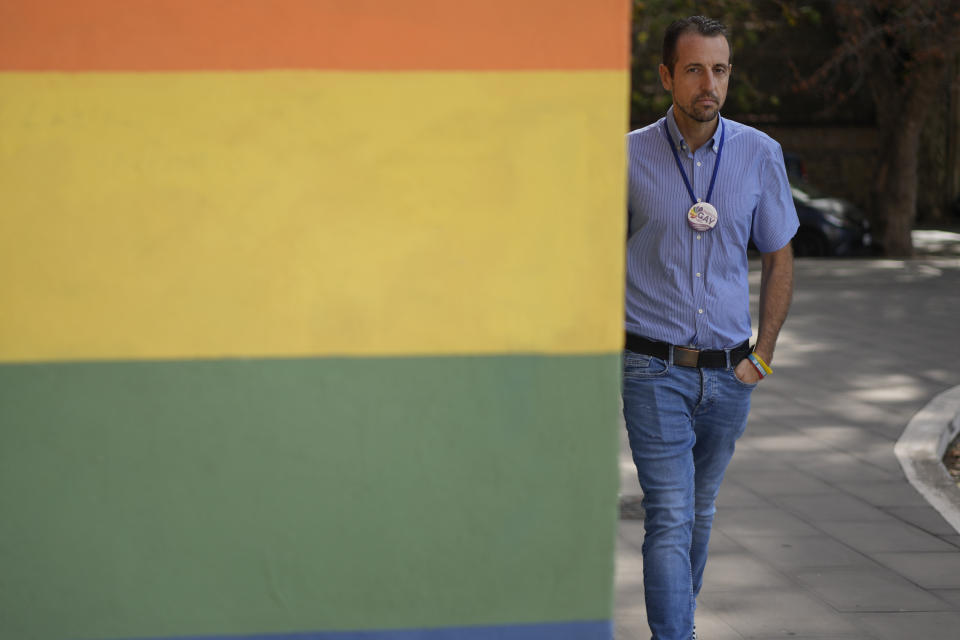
[776, 44]
[650, 19]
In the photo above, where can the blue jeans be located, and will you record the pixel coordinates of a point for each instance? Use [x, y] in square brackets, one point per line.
[683, 424]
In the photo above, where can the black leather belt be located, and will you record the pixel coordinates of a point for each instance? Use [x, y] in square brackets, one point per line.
[687, 357]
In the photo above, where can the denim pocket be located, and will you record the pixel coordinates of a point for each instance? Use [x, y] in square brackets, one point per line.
[746, 385]
[639, 365]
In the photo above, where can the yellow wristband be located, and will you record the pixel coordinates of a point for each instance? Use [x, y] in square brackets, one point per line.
[763, 364]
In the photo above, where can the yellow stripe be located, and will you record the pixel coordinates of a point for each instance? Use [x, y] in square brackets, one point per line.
[310, 213]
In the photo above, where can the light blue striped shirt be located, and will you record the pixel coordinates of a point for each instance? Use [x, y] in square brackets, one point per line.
[687, 287]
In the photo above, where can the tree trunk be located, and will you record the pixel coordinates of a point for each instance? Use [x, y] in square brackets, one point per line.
[900, 114]
[953, 138]
[896, 189]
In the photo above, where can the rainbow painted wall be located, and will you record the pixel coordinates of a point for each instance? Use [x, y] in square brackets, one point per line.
[310, 318]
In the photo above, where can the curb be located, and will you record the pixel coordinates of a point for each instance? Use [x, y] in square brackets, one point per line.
[920, 451]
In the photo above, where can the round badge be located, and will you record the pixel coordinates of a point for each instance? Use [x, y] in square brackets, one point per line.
[702, 216]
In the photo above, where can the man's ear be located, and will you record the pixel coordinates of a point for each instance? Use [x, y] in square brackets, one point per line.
[666, 78]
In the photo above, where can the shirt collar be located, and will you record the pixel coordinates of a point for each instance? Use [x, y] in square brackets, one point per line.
[676, 135]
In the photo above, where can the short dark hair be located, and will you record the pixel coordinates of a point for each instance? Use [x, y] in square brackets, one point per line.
[694, 24]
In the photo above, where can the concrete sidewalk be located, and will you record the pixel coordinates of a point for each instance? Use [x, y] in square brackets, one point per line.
[818, 533]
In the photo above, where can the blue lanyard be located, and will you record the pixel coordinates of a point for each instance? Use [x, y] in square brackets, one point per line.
[716, 165]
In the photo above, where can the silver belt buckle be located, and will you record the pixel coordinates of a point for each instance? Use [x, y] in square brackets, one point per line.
[684, 357]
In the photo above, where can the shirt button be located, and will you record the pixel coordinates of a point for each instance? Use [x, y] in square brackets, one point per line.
[699, 164]
[698, 275]
[699, 310]
[698, 236]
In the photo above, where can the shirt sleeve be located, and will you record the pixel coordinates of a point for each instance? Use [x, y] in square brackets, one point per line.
[775, 218]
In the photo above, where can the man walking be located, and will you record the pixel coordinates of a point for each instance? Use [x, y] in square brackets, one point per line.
[700, 188]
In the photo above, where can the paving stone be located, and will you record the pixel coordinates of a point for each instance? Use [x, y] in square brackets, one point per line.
[885, 494]
[776, 613]
[630, 534]
[880, 456]
[787, 441]
[846, 437]
[737, 522]
[722, 543]
[942, 377]
[739, 570]
[858, 636]
[951, 596]
[629, 565]
[841, 467]
[893, 429]
[913, 626]
[628, 602]
[629, 484]
[878, 537]
[711, 627]
[774, 408]
[734, 494]
[835, 403]
[763, 427]
[630, 627]
[886, 394]
[842, 436]
[784, 481]
[869, 589]
[926, 518]
[929, 570]
[797, 553]
[952, 539]
[836, 507]
[747, 461]
[628, 585]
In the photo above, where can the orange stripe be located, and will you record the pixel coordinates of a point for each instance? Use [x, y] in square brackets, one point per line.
[178, 35]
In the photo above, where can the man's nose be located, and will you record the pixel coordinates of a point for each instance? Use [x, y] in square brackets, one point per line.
[709, 81]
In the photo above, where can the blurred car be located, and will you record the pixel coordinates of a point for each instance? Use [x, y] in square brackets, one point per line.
[796, 169]
[828, 226]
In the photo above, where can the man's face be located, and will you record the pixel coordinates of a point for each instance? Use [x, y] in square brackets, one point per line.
[700, 76]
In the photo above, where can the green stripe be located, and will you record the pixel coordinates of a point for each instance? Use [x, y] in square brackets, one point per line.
[278, 495]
